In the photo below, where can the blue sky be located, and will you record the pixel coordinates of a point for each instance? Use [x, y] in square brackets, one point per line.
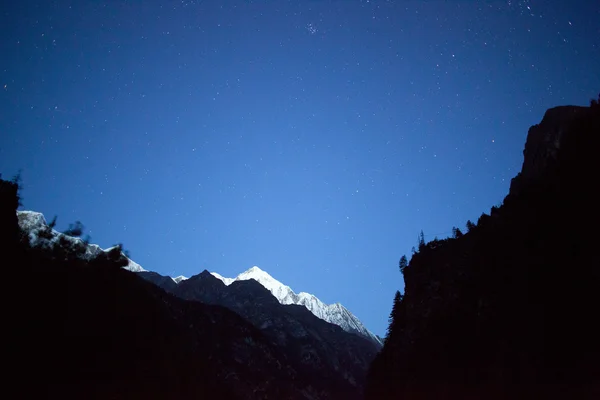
[314, 139]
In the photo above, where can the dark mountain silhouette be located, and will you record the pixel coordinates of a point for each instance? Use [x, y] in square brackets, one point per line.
[86, 328]
[332, 359]
[508, 309]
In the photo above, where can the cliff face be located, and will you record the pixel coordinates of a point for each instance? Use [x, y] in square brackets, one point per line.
[508, 309]
[543, 143]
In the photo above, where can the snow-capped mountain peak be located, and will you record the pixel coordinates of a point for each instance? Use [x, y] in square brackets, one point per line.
[334, 313]
[282, 292]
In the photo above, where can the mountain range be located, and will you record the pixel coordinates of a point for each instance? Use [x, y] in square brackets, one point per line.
[332, 359]
[34, 222]
[502, 311]
[334, 313]
[316, 347]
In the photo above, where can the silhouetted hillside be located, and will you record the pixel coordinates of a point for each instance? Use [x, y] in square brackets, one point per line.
[508, 310]
[86, 328]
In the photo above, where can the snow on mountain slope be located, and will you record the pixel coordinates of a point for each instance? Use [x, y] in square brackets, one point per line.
[34, 222]
[334, 313]
[179, 279]
[227, 281]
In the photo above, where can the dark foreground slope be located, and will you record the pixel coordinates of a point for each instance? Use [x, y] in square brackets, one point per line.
[509, 309]
[89, 329]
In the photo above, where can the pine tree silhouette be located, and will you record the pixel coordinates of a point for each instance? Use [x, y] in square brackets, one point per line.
[403, 263]
[393, 318]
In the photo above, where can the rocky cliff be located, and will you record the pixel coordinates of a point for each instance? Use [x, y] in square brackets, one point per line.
[544, 141]
[508, 310]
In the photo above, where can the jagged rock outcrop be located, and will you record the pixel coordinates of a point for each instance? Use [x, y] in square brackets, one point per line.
[507, 311]
[543, 143]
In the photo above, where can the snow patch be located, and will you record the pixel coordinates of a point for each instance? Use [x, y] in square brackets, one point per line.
[179, 279]
[226, 281]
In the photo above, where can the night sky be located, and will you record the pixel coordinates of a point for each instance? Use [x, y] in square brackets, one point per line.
[314, 139]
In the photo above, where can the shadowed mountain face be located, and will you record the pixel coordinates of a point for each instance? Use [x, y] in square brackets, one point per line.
[93, 331]
[320, 352]
[334, 313]
[508, 309]
[88, 328]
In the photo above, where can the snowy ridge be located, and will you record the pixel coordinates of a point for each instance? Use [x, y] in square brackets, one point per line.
[334, 313]
[34, 222]
[227, 281]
